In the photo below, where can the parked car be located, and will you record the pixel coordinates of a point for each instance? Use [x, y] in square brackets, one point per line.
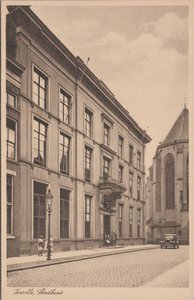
[169, 241]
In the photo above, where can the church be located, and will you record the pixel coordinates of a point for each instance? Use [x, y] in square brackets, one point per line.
[167, 186]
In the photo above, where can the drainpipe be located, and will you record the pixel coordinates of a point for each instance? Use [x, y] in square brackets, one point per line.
[144, 204]
[76, 148]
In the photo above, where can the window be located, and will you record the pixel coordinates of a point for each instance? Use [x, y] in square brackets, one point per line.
[39, 209]
[121, 168]
[88, 160]
[131, 184]
[187, 174]
[12, 100]
[88, 123]
[120, 147]
[131, 154]
[170, 182]
[39, 88]
[138, 187]
[64, 106]
[106, 167]
[120, 220]
[11, 139]
[64, 150]
[138, 160]
[39, 139]
[9, 204]
[106, 135]
[64, 213]
[87, 217]
[138, 222]
[130, 221]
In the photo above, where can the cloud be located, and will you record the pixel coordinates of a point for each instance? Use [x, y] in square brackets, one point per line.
[147, 70]
[170, 26]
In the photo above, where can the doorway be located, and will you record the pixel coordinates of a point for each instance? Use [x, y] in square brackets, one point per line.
[106, 224]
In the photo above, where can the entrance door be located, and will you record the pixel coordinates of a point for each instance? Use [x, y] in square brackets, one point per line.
[106, 224]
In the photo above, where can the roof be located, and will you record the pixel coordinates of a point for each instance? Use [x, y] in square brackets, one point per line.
[28, 13]
[179, 131]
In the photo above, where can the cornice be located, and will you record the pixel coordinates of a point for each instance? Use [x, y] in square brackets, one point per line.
[23, 13]
[14, 66]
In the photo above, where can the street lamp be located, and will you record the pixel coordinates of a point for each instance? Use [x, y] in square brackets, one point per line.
[49, 198]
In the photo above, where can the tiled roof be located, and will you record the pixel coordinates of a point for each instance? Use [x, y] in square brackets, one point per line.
[180, 129]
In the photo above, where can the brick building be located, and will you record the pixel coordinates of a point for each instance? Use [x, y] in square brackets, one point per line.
[66, 132]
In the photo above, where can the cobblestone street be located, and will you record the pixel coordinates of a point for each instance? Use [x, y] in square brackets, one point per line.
[122, 270]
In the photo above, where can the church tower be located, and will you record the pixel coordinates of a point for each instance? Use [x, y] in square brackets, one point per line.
[170, 184]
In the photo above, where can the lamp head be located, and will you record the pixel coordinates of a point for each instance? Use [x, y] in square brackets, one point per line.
[49, 198]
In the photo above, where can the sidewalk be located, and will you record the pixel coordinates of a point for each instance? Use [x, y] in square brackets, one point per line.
[34, 261]
[175, 277]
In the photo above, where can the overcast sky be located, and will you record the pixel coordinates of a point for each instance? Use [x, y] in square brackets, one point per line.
[140, 52]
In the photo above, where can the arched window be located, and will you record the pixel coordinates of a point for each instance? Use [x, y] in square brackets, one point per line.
[188, 180]
[170, 184]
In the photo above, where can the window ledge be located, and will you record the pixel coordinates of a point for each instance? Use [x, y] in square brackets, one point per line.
[12, 161]
[12, 107]
[10, 237]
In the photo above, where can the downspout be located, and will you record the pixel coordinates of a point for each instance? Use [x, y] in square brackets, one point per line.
[76, 148]
[144, 203]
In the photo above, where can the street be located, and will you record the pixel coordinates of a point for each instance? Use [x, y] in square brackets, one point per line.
[122, 270]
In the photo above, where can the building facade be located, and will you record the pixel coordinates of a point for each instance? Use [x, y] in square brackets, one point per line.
[167, 186]
[66, 132]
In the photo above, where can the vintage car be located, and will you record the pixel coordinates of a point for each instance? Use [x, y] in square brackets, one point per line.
[169, 241]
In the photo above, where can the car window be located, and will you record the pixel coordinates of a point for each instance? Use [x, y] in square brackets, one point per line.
[169, 236]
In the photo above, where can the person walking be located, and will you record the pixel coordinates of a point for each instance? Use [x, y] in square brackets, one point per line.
[40, 245]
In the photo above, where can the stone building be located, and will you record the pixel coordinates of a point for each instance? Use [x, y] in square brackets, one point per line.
[167, 186]
[67, 132]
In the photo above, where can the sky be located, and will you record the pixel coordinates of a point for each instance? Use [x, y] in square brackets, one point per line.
[140, 53]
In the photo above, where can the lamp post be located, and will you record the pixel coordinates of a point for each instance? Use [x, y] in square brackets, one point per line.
[49, 198]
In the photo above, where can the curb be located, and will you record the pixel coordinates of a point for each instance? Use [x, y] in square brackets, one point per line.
[58, 261]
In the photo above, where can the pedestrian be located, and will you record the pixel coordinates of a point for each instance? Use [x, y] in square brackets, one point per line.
[107, 239]
[114, 239]
[40, 245]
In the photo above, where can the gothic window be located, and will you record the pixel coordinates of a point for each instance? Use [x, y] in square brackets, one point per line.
[188, 179]
[170, 182]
